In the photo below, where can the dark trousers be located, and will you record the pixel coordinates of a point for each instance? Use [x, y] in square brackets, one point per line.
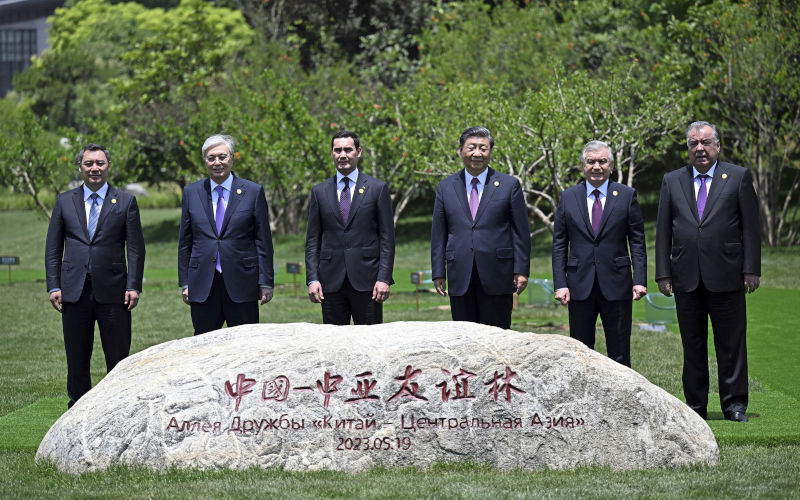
[728, 314]
[78, 319]
[219, 308]
[338, 307]
[616, 316]
[478, 306]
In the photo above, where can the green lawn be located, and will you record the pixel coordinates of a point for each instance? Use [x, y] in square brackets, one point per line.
[758, 459]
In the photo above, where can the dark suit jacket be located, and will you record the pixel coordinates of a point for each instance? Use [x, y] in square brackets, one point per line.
[498, 240]
[362, 248]
[579, 255]
[68, 248]
[717, 249]
[244, 244]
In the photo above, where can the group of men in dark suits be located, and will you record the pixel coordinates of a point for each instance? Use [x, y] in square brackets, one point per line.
[707, 252]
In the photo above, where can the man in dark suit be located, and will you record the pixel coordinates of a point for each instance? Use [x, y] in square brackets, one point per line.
[480, 237]
[595, 224]
[225, 244]
[708, 252]
[91, 230]
[350, 240]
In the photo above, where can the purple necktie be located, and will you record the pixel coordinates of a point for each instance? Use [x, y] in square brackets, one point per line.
[219, 218]
[474, 198]
[344, 199]
[597, 211]
[702, 195]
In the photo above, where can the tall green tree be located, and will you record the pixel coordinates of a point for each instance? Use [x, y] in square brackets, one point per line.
[749, 56]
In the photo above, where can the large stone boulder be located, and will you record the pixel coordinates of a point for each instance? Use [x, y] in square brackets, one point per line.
[308, 397]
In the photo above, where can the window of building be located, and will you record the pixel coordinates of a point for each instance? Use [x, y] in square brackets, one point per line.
[16, 48]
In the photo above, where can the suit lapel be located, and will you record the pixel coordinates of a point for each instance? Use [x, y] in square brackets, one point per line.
[204, 197]
[460, 191]
[612, 195]
[234, 197]
[331, 198]
[583, 208]
[687, 186]
[108, 205]
[358, 195]
[80, 210]
[488, 191]
[717, 186]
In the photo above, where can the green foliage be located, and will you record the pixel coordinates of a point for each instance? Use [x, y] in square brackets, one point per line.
[751, 86]
[32, 159]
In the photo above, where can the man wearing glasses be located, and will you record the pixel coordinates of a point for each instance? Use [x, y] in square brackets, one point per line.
[225, 244]
[92, 228]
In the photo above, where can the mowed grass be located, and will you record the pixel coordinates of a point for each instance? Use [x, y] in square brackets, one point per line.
[758, 459]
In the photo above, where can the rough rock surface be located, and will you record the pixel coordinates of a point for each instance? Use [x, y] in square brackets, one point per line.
[307, 397]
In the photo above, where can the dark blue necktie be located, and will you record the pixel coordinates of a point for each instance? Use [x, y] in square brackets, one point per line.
[344, 200]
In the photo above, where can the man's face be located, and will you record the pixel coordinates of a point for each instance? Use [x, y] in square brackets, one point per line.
[476, 154]
[218, 163]
[703, 151]
[345, 155]
[94, 169]
[597, 166]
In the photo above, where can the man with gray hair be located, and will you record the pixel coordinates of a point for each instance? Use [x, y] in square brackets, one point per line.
[480, 237]
[596, 223]
[225, 244]
[708, 252]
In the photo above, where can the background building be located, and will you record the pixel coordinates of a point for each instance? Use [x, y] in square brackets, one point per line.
[23, 33]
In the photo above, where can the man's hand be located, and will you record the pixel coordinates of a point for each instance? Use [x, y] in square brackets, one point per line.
[131, 298]
[562, 295]
[520, 283]
[55, 299]
[315, 293]
[639, 291]
[266, 294]
[751, 282]
[665, 286]
[380, 292]
[441, 286]
[185, 294]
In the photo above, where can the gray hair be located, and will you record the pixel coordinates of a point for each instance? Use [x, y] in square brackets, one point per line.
[596, 146]
[475, 132]
[696, 125]
[216, 140]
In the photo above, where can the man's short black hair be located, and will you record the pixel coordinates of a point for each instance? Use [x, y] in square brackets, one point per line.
[346, 133]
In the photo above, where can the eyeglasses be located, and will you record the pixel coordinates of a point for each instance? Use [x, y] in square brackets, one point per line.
[89, 163]
[213, 158]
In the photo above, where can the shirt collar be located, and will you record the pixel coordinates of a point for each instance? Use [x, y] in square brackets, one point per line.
[481, 177]
[227, 183]
[102, 192]
[603, 189]
[353, 176]
[710, 172]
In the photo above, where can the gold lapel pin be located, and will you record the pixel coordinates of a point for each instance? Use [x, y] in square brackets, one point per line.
[238, 191]
[361, 191]
[113, 200]
[614, 193]
[496, 183]
[724, 176]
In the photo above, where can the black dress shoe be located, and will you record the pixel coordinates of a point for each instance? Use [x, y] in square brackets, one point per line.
[702, 412]
[736, 416]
